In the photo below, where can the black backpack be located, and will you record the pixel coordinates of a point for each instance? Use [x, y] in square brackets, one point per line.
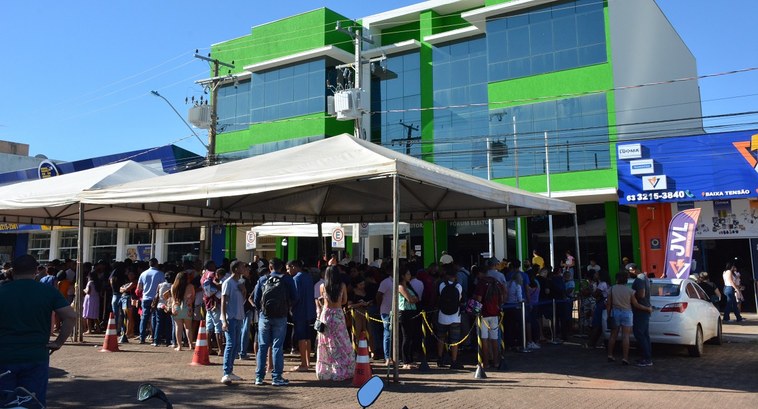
[449, 300]
[275, 298]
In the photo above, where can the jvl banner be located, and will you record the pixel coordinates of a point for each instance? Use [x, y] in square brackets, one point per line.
[681, 237]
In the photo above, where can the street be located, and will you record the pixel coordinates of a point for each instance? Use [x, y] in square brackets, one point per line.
[565, 376]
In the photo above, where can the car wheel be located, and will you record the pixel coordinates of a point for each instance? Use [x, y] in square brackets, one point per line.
[697, 349]
[719, 338]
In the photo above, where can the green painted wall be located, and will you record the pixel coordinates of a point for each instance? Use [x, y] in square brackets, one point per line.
[237, 50]
[400, 33]
[449, 23]
[428, 249]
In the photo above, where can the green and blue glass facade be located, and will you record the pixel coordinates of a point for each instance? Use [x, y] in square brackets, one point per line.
[471, 72]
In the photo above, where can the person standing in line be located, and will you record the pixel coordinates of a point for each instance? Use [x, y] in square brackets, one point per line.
[232, 314]
[335, 360]
[26, 308]
[148, 284]
[384, 299]
[730, 292]
[274, 295]
[449, 317]
[246, 334]
[641, 317]
[182, 302]
[621, 299]
[303, 313]
[537, 260]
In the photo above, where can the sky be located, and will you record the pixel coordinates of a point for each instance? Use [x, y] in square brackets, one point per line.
[78, 74]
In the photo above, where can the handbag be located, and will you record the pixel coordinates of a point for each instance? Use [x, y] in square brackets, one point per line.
[319, 326]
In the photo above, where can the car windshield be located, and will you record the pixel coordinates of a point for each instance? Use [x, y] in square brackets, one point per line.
[664, 289]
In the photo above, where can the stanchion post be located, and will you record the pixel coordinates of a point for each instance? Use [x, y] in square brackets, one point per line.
[424, 366]
[480, 374]
[503, 366]
[523, 327]
[555, 326]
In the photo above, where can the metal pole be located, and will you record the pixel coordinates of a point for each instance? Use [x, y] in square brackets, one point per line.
[395, 270]
[79, 336]
[577, 266]
[434, 232]
[320, 234]
[357, 130]
[550, 216]
[519, 245]
[489, 177]
[523, 326]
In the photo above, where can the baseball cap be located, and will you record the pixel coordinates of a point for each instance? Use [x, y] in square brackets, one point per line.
[631, 266]
[446, 259]
[24, 264]
[492, 261]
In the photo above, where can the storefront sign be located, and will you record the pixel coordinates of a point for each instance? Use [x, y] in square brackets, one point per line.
[630, 151]
[679, 244]
[696, 168]
[47, 169]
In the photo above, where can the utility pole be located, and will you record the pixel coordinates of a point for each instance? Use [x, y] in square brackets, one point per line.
[215, 82]
[358, 39]
[410, 137]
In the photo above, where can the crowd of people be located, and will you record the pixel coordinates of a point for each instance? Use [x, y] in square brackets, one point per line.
[320, 311]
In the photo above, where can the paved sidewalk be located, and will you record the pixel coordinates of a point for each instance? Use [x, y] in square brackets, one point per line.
[565, 376]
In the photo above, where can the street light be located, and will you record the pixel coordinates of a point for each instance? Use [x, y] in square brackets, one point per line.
[182, 118]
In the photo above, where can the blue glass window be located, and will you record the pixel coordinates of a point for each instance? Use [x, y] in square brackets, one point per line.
[394, 105]
[546, 39]
[233, 107]
[577, 136]
[289, 91]
[460, 91]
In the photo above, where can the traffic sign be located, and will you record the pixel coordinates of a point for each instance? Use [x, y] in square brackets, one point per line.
[363, 231]
[338, 238]
[250, 240]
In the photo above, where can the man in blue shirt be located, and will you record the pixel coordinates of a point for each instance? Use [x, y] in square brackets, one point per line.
[148, 284]
[232, 314]
[303, 313]
[272, 324]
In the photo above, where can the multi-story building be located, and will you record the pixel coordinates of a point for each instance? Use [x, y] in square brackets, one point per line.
[493, 88]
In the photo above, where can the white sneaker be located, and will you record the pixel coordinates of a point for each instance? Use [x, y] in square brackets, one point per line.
[226, 380]
[235, 377]
[534, 345]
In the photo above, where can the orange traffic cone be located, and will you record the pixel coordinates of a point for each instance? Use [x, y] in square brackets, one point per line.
[362, 364]
[201, 355]
[110, 344]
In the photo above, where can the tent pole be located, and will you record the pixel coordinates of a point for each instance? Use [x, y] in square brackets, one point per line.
[395, 270]
[320, 234]
[434, 239]
[78, 336]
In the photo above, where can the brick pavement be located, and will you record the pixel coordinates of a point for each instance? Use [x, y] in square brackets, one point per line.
[564, 376]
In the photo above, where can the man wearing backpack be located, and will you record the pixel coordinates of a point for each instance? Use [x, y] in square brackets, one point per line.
[449, 316]
[274, 295]
[490, 293]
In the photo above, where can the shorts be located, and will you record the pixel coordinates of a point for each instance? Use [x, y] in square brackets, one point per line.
[450, 333]
[489, 328]
[213, 321]
[301, 330]
[622, 317]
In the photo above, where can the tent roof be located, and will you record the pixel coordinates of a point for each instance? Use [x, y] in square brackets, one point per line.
[54, 201]
[340, 179]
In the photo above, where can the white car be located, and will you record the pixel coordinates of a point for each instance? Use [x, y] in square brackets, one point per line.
[682, 315]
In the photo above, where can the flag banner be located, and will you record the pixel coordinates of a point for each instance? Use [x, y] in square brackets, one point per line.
[679, 243]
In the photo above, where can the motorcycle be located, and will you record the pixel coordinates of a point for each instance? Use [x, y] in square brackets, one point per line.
[19, 398]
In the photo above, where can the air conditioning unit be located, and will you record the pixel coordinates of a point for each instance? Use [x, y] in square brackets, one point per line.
[350, 104]
[200, 116]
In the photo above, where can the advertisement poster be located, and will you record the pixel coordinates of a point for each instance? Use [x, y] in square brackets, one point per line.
[679, 243]
[728, 219]
[140, 252]
[707, 167]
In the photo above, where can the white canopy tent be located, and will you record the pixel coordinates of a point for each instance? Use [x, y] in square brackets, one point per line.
[55, 201]
[341, 179]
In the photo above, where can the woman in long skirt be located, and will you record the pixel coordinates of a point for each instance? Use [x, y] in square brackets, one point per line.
[335, 360]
